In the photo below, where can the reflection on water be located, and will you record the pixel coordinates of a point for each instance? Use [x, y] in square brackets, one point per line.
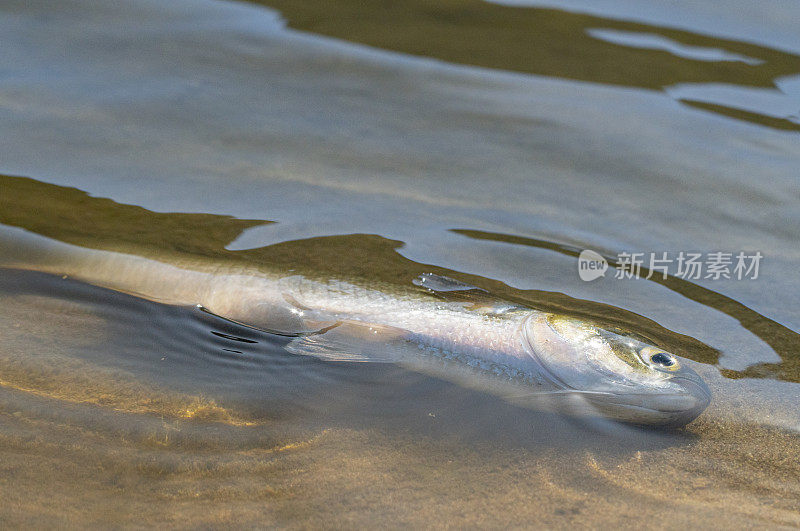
[553, 43]
[656, 42]
[209, 135]
[73, 216]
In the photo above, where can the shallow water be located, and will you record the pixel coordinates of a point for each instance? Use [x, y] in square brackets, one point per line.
[487, 142]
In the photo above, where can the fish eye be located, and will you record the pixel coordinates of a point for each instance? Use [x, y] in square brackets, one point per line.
[659, 359]
[662, 359]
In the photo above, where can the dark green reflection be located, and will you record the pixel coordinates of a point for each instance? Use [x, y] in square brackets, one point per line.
[199, 240]
[73, 216]
[785, 342]
[769, 121]
[535, 40]
[539, 41]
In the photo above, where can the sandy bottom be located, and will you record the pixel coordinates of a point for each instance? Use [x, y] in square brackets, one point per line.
[87, 437]
[55, 473]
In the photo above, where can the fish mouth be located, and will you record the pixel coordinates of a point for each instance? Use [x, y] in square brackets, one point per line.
[667, 410]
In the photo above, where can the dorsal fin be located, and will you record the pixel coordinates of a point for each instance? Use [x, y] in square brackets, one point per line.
[442, 284]
[454, 290]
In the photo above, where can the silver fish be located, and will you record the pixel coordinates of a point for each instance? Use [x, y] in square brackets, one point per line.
[421, 326]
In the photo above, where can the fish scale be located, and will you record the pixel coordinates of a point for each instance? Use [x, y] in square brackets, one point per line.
[445, 326]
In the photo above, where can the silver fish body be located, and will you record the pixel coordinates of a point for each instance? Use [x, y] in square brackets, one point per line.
[617, 374]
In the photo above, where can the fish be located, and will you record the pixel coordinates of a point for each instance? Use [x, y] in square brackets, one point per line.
[435, 324]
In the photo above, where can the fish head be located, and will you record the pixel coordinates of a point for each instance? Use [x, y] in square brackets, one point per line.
[618, 372]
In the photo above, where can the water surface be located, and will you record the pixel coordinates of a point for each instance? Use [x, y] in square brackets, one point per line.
[487, 142]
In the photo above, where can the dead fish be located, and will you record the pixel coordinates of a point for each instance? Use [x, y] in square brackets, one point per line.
[422, 326]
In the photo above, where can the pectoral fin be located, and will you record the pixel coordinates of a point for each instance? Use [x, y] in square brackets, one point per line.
[354, 341]
[280, 320]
